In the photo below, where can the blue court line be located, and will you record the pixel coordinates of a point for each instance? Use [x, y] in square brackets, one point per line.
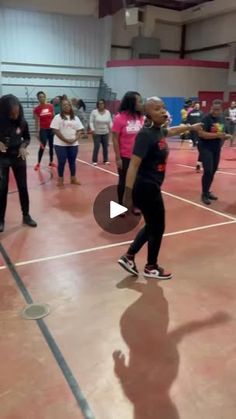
[66, 371]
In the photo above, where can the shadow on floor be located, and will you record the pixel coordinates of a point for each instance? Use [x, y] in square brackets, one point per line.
[153, 363]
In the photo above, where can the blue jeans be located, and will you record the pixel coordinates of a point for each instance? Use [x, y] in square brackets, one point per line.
[65, 153]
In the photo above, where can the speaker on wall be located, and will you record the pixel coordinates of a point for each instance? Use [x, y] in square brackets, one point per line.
[133, 16]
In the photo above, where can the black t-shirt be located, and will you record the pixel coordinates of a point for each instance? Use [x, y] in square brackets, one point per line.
[14, 136]
[151, 146]
[213, 125]
[194, 117]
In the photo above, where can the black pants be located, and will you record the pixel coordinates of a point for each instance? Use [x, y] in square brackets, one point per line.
[199, 152]
[210, 158]
[45, 135]
[104, 140]
[18, 167]
[122, 179]
[194, 137]
[148, 198]
[232, 131]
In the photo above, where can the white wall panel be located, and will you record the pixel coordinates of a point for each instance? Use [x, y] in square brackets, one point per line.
[88, 94]
[213, 31]
[40, 38]
[166, 81]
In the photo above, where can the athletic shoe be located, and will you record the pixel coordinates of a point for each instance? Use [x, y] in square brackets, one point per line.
[107, 163]
[206, 200]
[94, 164]
[156, 272]
[37, 167]
[212, 197]
[52, 165]
[129, 265]
[2, 226]
[27, 220]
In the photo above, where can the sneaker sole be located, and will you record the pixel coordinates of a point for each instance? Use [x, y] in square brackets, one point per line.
[157, 277]
[28, 225]
[124, 266]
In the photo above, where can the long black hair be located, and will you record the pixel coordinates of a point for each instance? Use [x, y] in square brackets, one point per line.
[128, 103]
[7, 102]
[81, 104]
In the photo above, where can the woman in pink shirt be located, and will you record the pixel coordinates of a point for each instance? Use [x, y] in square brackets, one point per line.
[126, 125]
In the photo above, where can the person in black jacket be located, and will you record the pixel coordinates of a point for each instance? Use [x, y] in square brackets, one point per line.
[195, 116]
[14, 139]
[211, 139]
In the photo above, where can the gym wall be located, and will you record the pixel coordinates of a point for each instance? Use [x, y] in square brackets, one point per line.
[61, 54]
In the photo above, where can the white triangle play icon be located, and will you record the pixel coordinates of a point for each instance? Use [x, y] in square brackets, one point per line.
[116, 209]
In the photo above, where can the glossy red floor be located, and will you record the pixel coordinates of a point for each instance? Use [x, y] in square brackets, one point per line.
[137, 349]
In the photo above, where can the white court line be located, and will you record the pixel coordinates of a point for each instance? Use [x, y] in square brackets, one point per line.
[97, 167]
[187, 201]
[218, 171]
[222, 214]
[109, 246]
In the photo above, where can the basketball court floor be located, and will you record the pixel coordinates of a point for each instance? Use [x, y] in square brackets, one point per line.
[114, 347]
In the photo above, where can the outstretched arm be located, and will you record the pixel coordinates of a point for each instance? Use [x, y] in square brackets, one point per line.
[219, 318]
[181, 129]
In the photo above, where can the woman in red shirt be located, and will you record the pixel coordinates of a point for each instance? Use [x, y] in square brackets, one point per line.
[44, 114]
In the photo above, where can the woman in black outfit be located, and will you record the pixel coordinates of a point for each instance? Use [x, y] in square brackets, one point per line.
[14, 139]
[195, 116]
[143, 187]
[211, 139]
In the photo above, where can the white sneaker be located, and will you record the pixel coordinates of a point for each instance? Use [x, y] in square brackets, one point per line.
[107, 163]
[156, 272]
[128, 265]
[95, 164]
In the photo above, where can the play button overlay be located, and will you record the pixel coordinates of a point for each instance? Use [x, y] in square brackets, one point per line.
[111, 216]
[116, 209]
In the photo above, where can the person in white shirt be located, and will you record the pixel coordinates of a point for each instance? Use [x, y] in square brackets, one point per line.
[100, 125]
[230, 115]
[67, 128]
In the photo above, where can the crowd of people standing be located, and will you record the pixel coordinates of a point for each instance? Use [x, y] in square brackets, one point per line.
[133, 129]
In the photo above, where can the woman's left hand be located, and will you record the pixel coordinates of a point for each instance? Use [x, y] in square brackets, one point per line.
[23, 153]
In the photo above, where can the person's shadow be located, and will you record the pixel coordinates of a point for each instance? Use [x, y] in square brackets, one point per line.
[153, 358]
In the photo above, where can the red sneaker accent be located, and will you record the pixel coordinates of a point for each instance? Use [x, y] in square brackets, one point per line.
[52, 164]
[37, 167]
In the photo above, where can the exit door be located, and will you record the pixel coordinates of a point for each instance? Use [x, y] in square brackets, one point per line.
[206, 99]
